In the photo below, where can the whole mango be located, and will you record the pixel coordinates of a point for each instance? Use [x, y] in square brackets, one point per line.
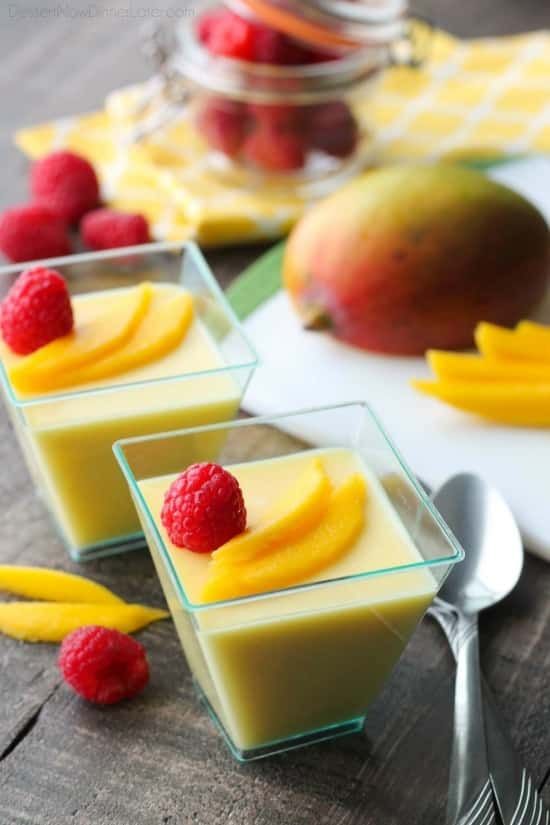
[408, 258]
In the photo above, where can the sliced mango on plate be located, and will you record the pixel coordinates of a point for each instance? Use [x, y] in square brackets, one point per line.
[52, 621]
[299, 509]
[292, 562]
[519, 404]
[530, 342]
[451, 366]
[532, 328]
[44, 584]
[94, 336]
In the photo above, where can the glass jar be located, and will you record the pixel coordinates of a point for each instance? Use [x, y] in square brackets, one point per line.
[299, 126]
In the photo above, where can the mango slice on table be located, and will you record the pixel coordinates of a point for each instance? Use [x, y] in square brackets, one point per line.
[533, 328]
[52, 621]
[465, 367]
[519, 404]
[44, 584]
[299, 509]
[294, 561]
[162, 329]
[93, 337]
[529, 342]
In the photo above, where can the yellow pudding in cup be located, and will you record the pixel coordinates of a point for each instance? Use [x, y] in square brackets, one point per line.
[301, 661]
[71, 404]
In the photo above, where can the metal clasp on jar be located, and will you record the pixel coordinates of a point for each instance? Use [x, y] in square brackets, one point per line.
[413, 47]
[165, 94]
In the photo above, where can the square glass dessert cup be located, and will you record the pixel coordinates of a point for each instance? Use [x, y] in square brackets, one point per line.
[302, 663]
[67, 436]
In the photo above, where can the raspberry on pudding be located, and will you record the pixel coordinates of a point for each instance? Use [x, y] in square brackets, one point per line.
[36, 310]
[203, 508]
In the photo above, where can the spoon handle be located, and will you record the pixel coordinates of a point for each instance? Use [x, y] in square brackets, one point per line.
[470, 795]
[509, 778]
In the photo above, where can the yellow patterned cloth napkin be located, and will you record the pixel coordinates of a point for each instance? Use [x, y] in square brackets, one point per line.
[476, 99]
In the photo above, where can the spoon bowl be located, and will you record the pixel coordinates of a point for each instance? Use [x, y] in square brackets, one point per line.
[483, 524]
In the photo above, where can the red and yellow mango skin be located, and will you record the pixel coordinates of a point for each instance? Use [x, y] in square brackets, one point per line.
[408, 258]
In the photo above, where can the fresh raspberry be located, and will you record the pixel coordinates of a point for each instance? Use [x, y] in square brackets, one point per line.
[36, 310]
[228, 35]
[223, 124]
[33, 232]
[203, 508]
[103, 665]
[271, 46]
[275, 150]
[107, 229]
[207, 23]
[314, 55]
[66, 183]
[284, 116]
[333, 129]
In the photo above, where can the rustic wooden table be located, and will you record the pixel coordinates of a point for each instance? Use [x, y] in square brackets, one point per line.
[158, 760]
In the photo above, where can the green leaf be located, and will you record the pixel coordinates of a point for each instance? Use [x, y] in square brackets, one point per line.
[257, 283]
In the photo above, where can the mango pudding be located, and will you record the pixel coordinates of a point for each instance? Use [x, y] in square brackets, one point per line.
[139, 360]
[288, 626]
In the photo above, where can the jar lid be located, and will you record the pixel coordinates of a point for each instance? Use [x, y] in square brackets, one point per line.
[338, 24]
[267, 83]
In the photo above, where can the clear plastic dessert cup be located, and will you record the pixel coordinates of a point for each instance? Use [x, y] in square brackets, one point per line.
[67, 436]
[300, 664]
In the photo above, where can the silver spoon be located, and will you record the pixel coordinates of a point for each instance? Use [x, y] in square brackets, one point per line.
[483, 523]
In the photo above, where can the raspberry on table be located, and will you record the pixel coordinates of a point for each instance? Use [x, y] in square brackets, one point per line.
[203, 508]
[275, 150]
[36, 310]
[108, 229]
[33, 232]
[103, 665]
[67, 183]
[223, 124]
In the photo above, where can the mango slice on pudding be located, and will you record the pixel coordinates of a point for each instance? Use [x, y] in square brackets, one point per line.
[93, 337]
[291, 562]
[163, 328]
[298, 510]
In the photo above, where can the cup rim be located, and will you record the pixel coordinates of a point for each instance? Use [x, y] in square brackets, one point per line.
[194, 607]
[170, 246]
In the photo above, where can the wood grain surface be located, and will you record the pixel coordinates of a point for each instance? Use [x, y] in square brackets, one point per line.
[158, 760]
